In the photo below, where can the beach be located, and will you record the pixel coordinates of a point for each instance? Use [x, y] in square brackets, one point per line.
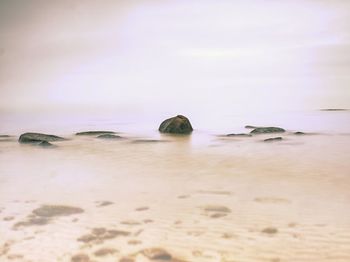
[157, 197]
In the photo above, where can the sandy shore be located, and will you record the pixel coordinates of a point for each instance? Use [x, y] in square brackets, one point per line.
[232, 199]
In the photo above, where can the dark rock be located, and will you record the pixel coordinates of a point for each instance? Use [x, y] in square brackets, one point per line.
[4, 136]
[80, 258]
[176, 125]
[156, 254]
[267, 130]
[299, 133]
[238, 135]
[273, 139]
[94, 133]
[251, 127]
[270, 230]
[334, 109]
[145, 141]
[53, 211]
[37, 138]
[45, 144]
[109, 136]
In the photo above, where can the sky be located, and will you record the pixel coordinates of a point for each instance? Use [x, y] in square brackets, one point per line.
[178, 55]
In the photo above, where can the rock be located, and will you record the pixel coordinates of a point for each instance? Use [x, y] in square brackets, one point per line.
[105, 251]
[334, 109]
[156, 254]
[53, 211]
[299, 133]
[239, 135]
[80, 258]
[270, 230]
[250, 127]
[267, 130]
[37, 138]
[45, 144]
[94, 133]
[176, 125]
[217, 208]
[4, 136]
[273, 139]
[109, 136]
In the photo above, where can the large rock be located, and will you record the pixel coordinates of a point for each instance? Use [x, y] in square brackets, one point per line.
[176, 125]
[267, 130]
[38, 138]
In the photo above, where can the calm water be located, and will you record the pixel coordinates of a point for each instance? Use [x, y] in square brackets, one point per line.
[201, 197]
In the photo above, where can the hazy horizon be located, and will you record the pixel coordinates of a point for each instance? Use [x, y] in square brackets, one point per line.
[176, 56]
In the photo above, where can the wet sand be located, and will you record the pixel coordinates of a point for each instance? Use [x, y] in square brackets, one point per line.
[227, 199]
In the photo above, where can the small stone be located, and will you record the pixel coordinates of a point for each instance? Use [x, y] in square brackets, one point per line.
[142, 208]
[273, 139]
[214, 208]
[94, 133]
[105, 251]
[270, 230]
[80, 258]
[56, 210]
[156, 254]
[267, 130]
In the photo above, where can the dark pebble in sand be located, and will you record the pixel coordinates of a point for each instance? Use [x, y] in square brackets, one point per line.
[126, 259]
[80, 258]
[142, 208]
[147, 221]
[270, 230]
[218, 215]
[105, 251]
[216, 208]
[273, 139]
[130, 222]
[104, 203]
[56, 210]
[33, 221]
[100, 234]
[134, 242]
[156, 254]
[94, 133]
[299, 133]
[8, 218]
[4, 136]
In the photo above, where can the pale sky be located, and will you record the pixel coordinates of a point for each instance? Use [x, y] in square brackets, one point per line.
[211, 55]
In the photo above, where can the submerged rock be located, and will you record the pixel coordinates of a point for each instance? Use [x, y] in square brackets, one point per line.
[45, 144]
[251, 127]
[94, 133]
[334, 109]
[109, 136]
[273, 139]
[239, 135]
[38, 137]
[266, 130]
[53, 211]
[176, 125]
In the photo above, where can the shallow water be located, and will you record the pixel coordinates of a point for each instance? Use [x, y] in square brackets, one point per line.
[201, 197]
